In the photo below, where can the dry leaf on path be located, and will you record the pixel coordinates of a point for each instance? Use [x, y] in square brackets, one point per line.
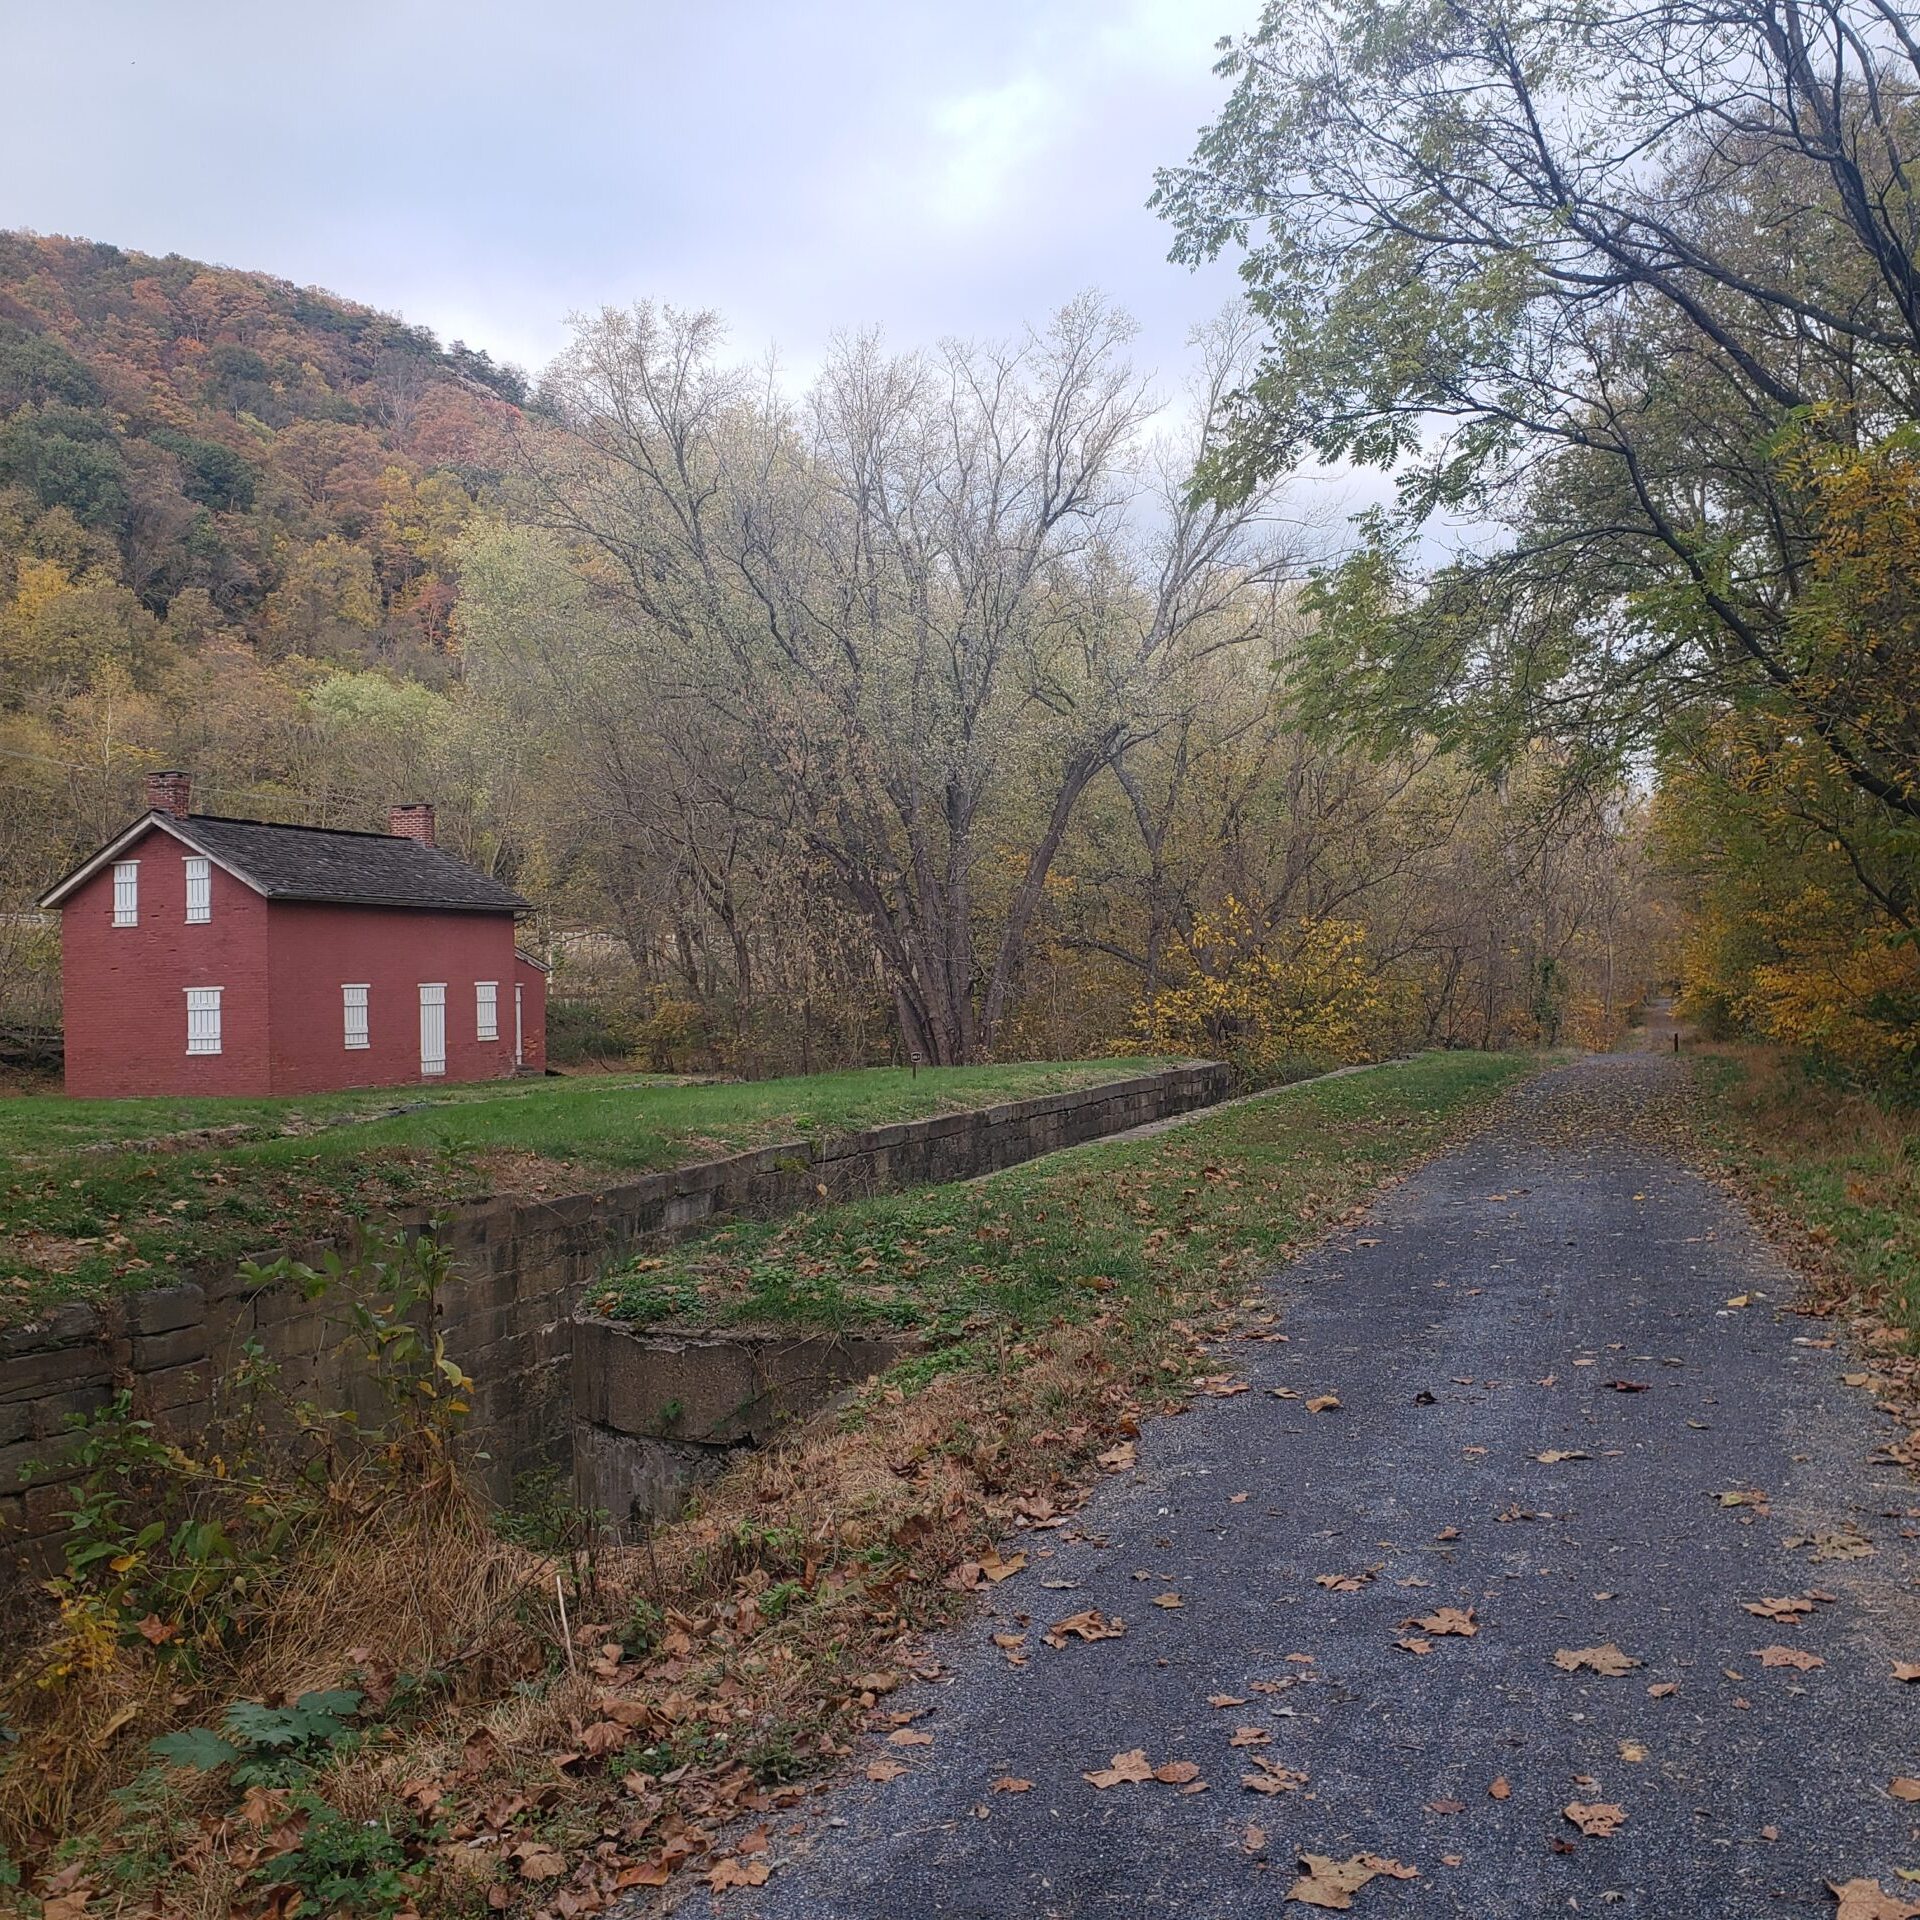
[1778, 1656]
[1323, 1403]
[1091, 1624]
[1904, 1788]
[909, 1737]
[1250, 1737]
[1443, 1620]
[1176, 1773]
[1008, 1783]
[1863, 1900]
[1225, 1700]
[996, 1569]
[1554, 1455]
[1607, 1659]
[1595, 1818]
[1331, 1884]
[1119, 1459]
[1168, 1600]
[1500, 1790]
[1271, 1777]
[1786, 1608]
[1125, 1769]
[1906, 1670]
[884, 1770]
[738, 1873]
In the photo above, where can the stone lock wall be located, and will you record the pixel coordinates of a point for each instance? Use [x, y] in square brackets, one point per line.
[521, 1268]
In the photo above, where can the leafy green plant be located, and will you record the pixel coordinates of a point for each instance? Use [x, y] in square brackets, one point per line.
[269, 1746]
[350, 1866]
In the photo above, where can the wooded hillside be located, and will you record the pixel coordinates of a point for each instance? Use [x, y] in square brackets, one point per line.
[923, 715]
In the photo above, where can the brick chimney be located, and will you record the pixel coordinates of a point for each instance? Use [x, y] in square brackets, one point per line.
[412, 822]
[170, 792]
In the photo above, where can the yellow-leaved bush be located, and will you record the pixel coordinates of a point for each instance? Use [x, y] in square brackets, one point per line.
[1271, 1001]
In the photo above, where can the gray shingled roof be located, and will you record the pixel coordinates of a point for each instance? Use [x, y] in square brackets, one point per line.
[354, 869]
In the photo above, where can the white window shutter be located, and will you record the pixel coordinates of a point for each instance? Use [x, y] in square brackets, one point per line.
[199, 889]
[433, 1029]
[203, 1019]
[486, 1009]
[353, 1001]
[126, 893]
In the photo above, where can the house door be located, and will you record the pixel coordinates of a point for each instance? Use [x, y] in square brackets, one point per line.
[519, 1052]
[433, 1030]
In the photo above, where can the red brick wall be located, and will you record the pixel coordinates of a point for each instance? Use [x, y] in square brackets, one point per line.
[533, 1015]
[316, 950]
[124, 987]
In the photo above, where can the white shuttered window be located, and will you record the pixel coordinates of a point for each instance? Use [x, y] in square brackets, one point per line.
[353, 1002]
[486, 1009]
[199, 889]
[203, 1019]
[126, 893]
[433, 1029]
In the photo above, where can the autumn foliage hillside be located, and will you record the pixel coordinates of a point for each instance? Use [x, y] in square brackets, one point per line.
[228, 507]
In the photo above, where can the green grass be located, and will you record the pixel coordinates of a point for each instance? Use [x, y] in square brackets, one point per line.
[1835, 1169]
[104, 1194]
[1231, 1191]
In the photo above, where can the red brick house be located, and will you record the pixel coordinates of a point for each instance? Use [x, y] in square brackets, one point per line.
[204, 955]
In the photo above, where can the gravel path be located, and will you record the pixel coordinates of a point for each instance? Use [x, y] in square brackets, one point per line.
[1474, 1324]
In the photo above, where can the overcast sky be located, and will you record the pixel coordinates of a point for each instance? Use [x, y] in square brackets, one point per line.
[933, 166]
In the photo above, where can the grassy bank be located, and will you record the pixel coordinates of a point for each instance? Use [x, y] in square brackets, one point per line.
[704, 1683]
[1832, 1169]
[1225, 1193]
[98, 1194]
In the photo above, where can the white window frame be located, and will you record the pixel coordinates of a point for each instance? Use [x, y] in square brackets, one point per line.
[433, 999]
[203, 1019]
[199, 871]
[126, 893]
[519, 1025]
[356, 1034]
[486, 1009]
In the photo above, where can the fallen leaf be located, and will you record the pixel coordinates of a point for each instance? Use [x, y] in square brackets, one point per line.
[1782, 1609]
[1254, 1839]
[1007, 1783]
[1119, 1459]
[884, 1770]
[1632, 1752]
[909, 1737]
[1554, 1455]
[996, 1569]
[1168, 1600]
[1904, 1788]
[1777, 1656]
[1663, 1689]
[1323, 1403]
[1443, 1620]
[1595, 1818]
[1331, 1884]
[1250, 1737]
[1863, 1900]
[1413, 1643]
[1606, 1659]
[1342, 1582]
[1090, 1625]
[738, 1873]
[1125, 1769]
[1906, 1670]
[1271, 1777]
[1628, 1386]
[1500, 1790]
[537, 1862]
[1176, 1773]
